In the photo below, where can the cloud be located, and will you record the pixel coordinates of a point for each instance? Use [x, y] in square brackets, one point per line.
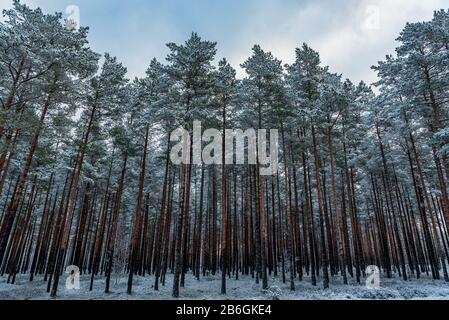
[359, 41]
[351, 35]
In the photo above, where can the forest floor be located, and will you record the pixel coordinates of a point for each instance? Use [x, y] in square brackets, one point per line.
[208, 288]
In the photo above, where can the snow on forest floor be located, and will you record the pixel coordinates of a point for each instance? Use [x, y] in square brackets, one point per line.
[208, 288]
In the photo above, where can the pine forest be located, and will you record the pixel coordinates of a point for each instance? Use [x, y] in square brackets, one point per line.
[88, 185]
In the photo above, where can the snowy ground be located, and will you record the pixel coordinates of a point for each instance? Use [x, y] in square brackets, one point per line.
[208, 288]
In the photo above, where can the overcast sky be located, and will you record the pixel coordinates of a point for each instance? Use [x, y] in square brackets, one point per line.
[351, 35]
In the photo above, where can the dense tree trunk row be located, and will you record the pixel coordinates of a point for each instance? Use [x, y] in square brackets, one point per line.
[311, 224]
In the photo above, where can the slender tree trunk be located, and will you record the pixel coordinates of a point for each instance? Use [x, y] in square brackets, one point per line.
[137, 221]
[8, 220]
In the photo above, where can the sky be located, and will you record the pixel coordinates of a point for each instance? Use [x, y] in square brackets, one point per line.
[350, 35]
